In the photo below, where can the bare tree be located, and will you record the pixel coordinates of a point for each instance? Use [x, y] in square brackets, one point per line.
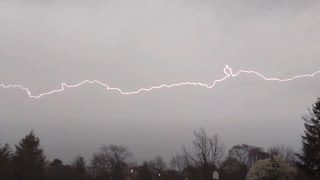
[206, 152]
[240, 159]
[158, 164]
[110, 163]
[180, 163]
[255, 154]
[285, 152]
[246, 154]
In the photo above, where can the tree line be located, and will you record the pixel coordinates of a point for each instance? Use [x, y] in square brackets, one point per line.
[207, 154]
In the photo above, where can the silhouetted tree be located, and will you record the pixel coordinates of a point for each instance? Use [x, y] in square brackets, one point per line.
[180, 164]
[5, 162]
[285, 152]
[232, 169]
[310, 157]
[247, 155]
[29, 158]
[110, 163]
[155, 169]
[79, 167]
[157, 166]
[56, 163]
[144, 172]
[171, 175]
[57, 170]
[206, 153]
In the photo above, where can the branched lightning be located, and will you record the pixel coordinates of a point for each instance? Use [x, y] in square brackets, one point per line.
[227, 71]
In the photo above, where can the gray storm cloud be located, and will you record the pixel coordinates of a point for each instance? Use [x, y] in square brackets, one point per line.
[134, 44]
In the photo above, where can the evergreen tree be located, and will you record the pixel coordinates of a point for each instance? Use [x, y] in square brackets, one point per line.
[5, 161]
[310, 157]
[79, 167]
[29, 158]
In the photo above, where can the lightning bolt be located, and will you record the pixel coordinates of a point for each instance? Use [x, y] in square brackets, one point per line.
[227, 71]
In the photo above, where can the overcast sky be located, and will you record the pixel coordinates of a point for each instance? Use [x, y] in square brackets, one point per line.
[134, 44]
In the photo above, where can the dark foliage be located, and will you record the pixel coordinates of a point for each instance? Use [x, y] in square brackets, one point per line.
[310, 157]
[56, 170]
[144, 172]
[79, 168]
[29, 159]
[110, 163]
[231, 169]
[5, 162]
